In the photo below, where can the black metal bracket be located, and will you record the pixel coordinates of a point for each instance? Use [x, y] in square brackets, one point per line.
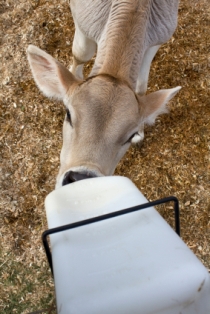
[108, 216]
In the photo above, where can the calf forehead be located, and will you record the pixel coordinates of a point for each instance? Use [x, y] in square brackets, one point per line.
[105, 103]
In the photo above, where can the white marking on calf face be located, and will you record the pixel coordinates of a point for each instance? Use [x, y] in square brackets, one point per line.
[137, 138]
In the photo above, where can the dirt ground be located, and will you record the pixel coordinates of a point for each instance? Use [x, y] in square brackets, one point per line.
[173, 160]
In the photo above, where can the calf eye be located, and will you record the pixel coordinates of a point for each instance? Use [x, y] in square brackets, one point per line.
[68, 116]
[130, 138]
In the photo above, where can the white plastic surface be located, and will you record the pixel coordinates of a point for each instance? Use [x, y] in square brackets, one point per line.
[130, 264]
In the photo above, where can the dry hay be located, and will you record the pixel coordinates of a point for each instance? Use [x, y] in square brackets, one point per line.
[174, 158]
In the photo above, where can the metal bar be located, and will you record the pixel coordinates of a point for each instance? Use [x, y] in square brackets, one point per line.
[108, 216]
[176, 215]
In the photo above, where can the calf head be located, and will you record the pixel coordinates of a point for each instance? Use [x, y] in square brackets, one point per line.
[103, 116]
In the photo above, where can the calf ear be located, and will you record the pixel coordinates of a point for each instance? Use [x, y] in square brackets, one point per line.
[154, 104]
[52, 78]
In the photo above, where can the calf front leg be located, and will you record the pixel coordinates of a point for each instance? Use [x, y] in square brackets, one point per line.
[141, 85]
[143, 76]
[83, 50]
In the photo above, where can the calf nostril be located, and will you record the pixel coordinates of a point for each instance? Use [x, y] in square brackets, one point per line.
[68, 178]
[72, 176]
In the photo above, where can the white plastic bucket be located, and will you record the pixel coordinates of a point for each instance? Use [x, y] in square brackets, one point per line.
[129, 264]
